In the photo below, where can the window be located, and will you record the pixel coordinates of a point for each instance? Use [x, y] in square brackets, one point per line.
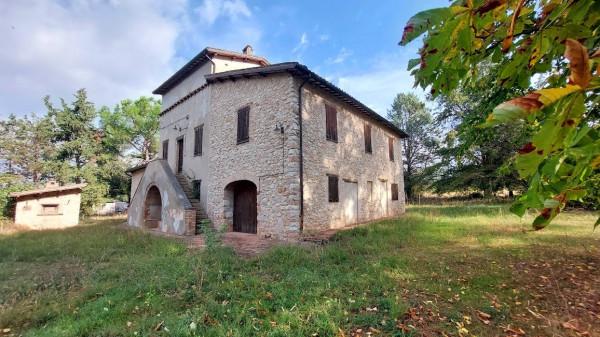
[165, 148]
[331, 123]
[243, 124]
[394, 191]
[51, 209]
[370, 190]
[391, 148]
[196, 184]
[198, 133]
[333, 188]
[368, 147]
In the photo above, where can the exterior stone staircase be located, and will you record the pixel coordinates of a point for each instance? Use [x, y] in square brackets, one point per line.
[187, 188]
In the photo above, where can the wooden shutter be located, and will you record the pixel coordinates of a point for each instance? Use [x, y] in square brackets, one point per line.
[394, 191]
[331, 123]
[391, 148]
[165, 149]
[243, 125]
[334, 195]
[368, 147]
[198, 133]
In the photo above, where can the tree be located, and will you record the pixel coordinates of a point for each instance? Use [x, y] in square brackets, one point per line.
[410, 114]
[523, 39]
[79, 151]
[473, 157]
[25, 145]
[133, 125]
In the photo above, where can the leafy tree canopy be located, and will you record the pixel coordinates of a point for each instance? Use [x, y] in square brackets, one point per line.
[550, 39]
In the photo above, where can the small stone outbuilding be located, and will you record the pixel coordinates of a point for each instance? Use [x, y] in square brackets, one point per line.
[51, 207]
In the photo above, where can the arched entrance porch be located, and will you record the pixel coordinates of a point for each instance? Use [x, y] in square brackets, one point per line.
[240, 206]
[152, 208]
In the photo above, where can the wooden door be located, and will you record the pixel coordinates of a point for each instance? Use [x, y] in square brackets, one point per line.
[179, 155]
[244, 207]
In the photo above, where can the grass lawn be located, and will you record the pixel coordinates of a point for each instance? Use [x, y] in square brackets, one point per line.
[452, 270]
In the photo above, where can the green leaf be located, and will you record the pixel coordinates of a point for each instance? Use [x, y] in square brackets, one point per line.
[413, 63]
[597, 223]
[518, 208]
[551, 203]
[422, 21]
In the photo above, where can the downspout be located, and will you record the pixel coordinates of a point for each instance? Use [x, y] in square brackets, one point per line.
[301, 154]
[213, 66]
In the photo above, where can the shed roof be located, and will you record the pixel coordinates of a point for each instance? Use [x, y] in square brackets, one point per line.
[201, 59]
[48, 190]
[303, 72]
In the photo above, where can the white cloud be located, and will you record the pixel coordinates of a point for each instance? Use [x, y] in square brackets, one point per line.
[302, 44]
[378, 86]
[341, 56]
[211, 10]
[323, 37]
[115, 49]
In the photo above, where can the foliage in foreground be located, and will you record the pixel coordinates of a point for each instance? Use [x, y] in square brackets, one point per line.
[523, 39]
[437, 269]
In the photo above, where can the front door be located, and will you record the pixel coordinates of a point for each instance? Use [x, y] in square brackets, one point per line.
[179, 155]
[244, 207]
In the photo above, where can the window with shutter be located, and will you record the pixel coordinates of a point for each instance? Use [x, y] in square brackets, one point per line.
[331, 123]
[198, 133]
[368, 147]
[165, 149]
[243, 125]
[391, 148]
[394, 191]
[333, 188]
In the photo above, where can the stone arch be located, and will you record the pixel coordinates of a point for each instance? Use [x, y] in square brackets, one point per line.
[240, 206]
[153, 208]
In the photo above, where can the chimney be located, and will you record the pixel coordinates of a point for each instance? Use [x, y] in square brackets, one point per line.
[247, 50]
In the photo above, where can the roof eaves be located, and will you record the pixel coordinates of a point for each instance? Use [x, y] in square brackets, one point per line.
[301, 70]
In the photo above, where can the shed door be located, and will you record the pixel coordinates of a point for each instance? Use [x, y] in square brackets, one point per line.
[349, 202]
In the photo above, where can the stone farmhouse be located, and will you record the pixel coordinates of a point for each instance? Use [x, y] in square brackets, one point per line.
[269, 149]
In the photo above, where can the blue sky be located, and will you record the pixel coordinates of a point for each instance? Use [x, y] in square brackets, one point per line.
[125, 48]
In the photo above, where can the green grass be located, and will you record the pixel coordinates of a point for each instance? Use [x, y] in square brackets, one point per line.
[428, 272]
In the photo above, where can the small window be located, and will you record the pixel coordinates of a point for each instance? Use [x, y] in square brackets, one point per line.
[196, 184]
[370, 190]
[333, 188]
[331, 123]
[198, 133]
[243, 124]
[391, 148]
[50, 209]
[165, 149]
[368, 147]
[394, 191]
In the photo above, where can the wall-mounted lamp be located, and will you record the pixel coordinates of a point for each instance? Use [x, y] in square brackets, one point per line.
[279, 127]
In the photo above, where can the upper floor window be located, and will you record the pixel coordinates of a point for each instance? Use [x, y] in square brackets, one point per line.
[334, 195]
[243, 125]
[368, 146]
[198, 133]
[165, 149]
[391, 148]
[394, 191]
[331, 123]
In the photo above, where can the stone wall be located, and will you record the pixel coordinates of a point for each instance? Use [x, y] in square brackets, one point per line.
[346, 159]
[270, 159]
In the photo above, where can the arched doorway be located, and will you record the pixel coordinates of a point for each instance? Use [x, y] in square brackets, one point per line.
[241, 197]
[153, 208]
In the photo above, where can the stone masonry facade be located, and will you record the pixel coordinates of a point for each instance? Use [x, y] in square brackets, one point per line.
[270, 159]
